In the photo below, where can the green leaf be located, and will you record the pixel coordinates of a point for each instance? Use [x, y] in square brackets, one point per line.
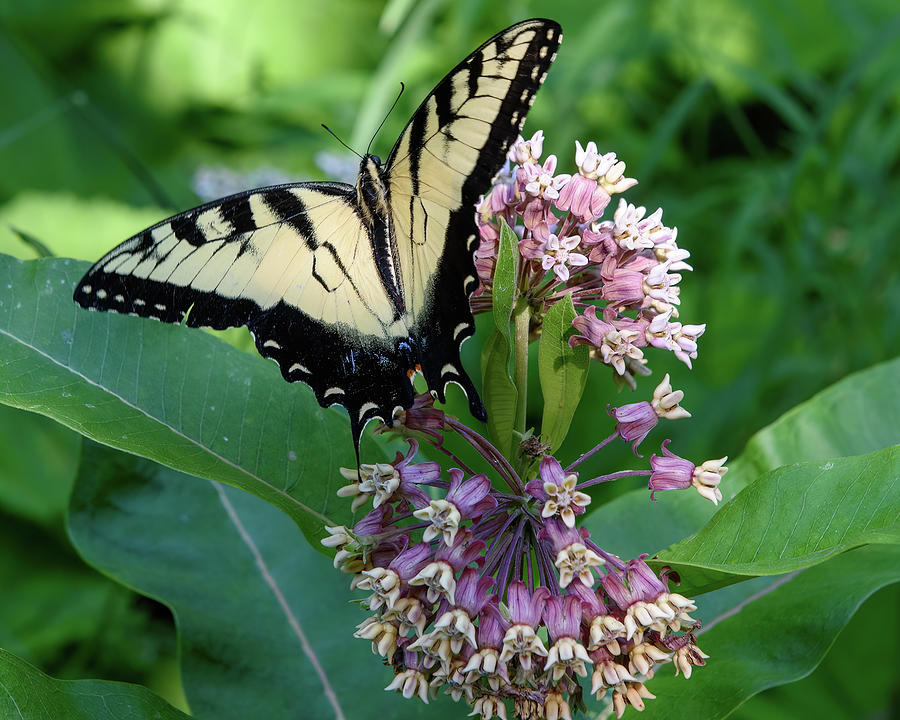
[50, 599]
[265, 623]
[499, 392]
[506, 273]
[791, 518]
[168, 393]
[30, 695]
[855, 416]
[779, 635]
[563, 372]
[858, 415]
[831, 692]
[38, 459]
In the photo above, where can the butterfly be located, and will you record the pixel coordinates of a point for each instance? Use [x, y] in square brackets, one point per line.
[350, 289]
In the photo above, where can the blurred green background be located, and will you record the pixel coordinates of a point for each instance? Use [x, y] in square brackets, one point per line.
[768, 131]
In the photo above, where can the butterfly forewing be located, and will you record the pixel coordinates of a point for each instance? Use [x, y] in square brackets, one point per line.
[446, 157]
[293, 263]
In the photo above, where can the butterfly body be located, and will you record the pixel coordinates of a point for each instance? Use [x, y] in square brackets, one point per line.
[350, 289]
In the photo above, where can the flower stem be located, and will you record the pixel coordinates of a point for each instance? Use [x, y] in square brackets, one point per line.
[596, 448]
[613, 476]
[522, 319]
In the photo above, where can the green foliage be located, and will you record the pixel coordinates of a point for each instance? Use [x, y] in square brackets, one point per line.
[769, 134]
[263, 620]
[28, 693]
[779, 637]
[184, 399]
[563, 372]
[791, 518]
[500, 392]
[831, 691]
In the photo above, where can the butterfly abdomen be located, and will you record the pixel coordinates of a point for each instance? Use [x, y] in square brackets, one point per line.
[374, 206]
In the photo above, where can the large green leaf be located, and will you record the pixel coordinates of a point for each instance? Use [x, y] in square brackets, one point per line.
[778, 636]
[855, 416]
[168, 393]
[265, 622]
[793, 517]
[563, 372]
[28, 694]
[831, 692]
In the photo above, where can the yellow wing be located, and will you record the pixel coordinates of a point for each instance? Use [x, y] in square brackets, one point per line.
[295, 264]
[446, 157]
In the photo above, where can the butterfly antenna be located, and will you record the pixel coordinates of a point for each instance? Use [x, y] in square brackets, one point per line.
[334, 135]
[396, 100]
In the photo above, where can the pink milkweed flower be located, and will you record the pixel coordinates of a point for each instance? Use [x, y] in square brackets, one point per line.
[613, 344]
[631, 230]
[599, 176]
[636, 420]
[671, 472]
[625, 288]
[639, 614]
[382, 481]
[659, 286]
[527, 151]
[610, 173]
[685, 337]
[485, 662]
[583, 197]
[521, 641]
[387, 583]
[670, 611]
[573, 558]
[558, 255]
[604, 629]
[540, 182]
[563, 618]
[558, 492]
[454, 625]
[667, 250]
[464, 500]
[439, 576]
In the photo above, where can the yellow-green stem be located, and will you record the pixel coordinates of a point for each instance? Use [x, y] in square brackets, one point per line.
[521, 318]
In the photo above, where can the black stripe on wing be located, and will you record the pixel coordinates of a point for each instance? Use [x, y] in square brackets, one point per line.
[367, 375]
[448, 320]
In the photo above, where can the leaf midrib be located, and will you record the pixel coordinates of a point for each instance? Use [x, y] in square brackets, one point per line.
[230, 463]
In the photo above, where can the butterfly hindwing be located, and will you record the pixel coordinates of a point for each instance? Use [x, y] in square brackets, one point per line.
[293, 263]
[446, 157]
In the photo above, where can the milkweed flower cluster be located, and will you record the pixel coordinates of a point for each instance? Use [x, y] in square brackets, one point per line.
[622, 273]
[500, 597]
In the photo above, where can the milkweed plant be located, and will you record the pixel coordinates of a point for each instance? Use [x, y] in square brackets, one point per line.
[486, 585]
